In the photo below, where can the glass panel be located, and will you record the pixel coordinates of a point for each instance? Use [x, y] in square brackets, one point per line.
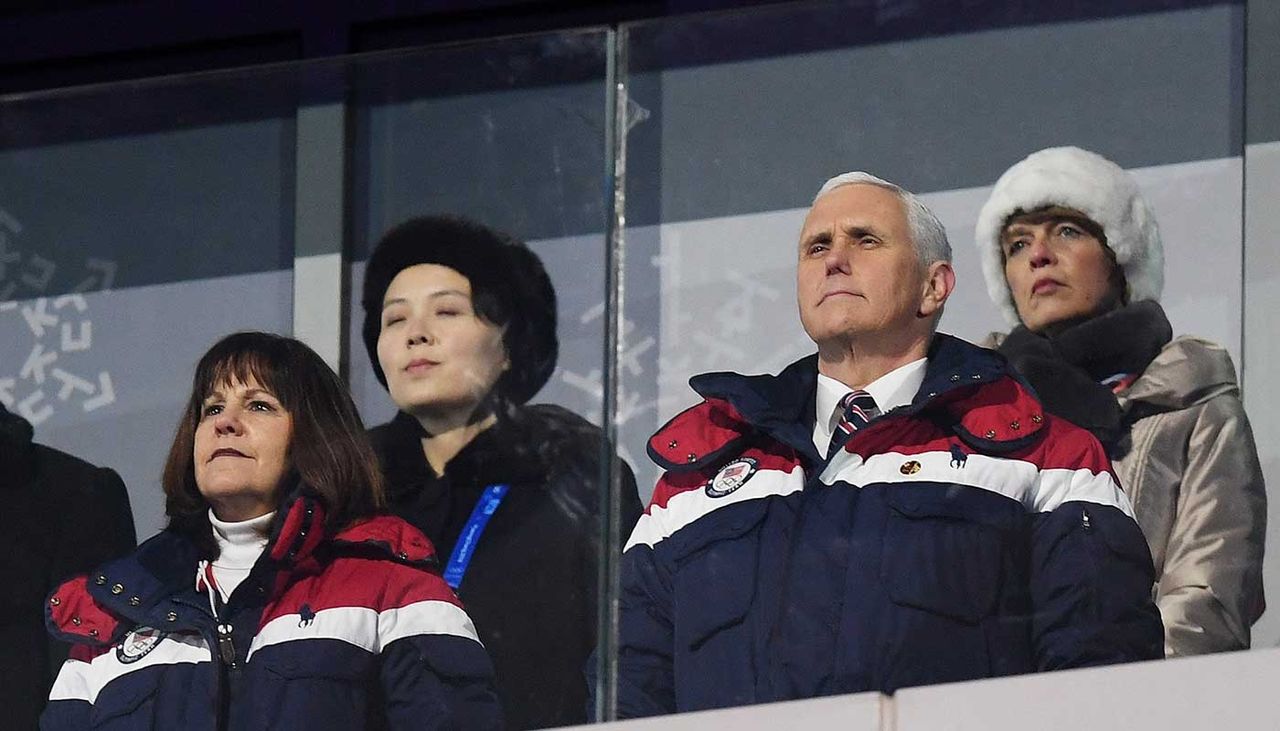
[737, 119]
[138, 223]
[1262, 267]
[511, 135]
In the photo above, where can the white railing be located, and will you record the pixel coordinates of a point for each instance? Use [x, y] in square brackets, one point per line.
[1228, 692]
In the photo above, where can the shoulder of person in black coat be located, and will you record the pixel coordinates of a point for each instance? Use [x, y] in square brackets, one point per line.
[98, 518]
[89, 503]
[569, 444]
[542, 444]
[74, 514]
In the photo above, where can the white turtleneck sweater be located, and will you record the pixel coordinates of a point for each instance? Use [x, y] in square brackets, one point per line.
[239, 546]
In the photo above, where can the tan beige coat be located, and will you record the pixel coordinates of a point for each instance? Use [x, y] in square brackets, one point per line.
[1193, 476]
[1191, 470]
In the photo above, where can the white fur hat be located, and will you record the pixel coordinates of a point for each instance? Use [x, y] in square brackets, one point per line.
[1089, 183]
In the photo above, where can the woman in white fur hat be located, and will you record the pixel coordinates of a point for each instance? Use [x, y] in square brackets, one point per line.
[1072, 256]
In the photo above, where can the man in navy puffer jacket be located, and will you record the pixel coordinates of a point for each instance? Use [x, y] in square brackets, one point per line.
[893, 511]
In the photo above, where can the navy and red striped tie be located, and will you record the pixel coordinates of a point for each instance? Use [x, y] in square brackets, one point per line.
[856, 409]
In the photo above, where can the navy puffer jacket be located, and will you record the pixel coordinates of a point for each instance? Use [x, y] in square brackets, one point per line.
[965, 535]
[349, 631]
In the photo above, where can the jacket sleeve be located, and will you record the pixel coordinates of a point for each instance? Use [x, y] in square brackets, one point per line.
[645, 630]
[1091, 573]
[630, 508]
[97, 527]
[1210, 591]
[435, 674]
[69, 704]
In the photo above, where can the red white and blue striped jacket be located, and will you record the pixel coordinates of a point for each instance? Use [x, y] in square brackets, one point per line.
[349, 631]
[965, 535]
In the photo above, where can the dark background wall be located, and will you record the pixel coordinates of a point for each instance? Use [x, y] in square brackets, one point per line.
[55, 43]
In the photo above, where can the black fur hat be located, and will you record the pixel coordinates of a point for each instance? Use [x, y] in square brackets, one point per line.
[509, 286]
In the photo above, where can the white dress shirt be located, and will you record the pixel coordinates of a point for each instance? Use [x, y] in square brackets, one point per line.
[893, 389]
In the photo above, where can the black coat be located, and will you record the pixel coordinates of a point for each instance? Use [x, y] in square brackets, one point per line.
[531, 585]
[59, 516]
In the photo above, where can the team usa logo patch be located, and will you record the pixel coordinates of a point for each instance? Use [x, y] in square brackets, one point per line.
[731, 477]
[136, 644]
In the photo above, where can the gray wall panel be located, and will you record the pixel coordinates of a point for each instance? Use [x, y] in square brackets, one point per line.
[156, 207]
[1263, 71]
[1262, 349]
[527, 161]
[934, 114]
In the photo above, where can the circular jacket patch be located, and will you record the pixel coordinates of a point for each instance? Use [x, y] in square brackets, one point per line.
[137, 643]
[731, 477]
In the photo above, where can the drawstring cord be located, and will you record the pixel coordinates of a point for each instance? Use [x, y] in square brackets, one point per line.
[204, 576]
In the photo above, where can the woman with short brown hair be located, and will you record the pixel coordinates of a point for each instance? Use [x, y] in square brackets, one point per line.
[276, 597]
[329, 451]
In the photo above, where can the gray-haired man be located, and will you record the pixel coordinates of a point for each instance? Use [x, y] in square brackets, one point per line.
[895, 510]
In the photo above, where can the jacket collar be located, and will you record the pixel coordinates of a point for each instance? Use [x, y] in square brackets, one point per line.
[970, 389]
[137, 589]
[1187, 371]
[141, 588]
[511, 451]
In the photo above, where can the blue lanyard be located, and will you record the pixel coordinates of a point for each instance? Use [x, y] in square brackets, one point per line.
[465, 548]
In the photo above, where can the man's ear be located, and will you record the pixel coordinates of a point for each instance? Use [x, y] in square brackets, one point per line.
[939, 283]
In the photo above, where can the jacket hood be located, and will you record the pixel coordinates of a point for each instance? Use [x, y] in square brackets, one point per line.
[139, 588]
[1188, 371]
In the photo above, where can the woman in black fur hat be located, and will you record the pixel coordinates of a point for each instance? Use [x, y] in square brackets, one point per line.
[460, 326]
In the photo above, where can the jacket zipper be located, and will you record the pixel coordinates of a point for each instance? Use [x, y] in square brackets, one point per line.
[228, 668]
[227, 672]
[226, 647]
[224, 664]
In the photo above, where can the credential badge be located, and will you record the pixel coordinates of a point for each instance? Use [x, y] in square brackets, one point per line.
[731, 477]
[137, 643]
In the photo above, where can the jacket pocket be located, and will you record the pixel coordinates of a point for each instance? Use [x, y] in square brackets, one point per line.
[941, 554]
[714, 588]
[126, 703]
[323, 681]
[715, 576]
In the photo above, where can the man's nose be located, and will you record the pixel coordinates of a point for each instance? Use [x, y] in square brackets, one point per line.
[837, 258]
